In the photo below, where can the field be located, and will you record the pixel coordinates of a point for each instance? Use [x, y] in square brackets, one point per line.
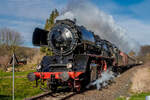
[23, 88]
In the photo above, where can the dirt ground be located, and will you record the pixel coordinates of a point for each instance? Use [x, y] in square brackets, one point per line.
[141, 79]
[123, 85]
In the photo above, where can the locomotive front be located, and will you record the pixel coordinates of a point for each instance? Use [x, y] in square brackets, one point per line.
[66, 67]
[63, 38]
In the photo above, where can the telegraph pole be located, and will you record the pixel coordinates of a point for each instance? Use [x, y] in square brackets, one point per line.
[13, 90]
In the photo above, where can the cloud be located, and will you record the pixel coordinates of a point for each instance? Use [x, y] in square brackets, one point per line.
[24, 15]
[133, 18]
[25, 28]
[136, 29]
[33, 9]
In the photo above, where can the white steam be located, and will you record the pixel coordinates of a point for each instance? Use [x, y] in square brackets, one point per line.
[100, 23]
[103, 80]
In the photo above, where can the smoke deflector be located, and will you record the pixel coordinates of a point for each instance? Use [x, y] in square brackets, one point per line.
[39, 37]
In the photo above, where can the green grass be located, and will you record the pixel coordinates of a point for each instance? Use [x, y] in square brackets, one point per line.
[4, 74]
[140, 96]
[121, 98]
[23, 88]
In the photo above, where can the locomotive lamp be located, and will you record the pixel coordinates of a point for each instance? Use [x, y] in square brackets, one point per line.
[38, 67]
[69, 65]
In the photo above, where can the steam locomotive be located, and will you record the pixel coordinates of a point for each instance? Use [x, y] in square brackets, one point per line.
[79, 57]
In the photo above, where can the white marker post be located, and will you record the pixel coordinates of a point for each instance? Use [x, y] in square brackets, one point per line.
[147, 98]
[13, 91]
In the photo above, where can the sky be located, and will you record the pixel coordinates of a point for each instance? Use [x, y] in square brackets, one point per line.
[24, 15]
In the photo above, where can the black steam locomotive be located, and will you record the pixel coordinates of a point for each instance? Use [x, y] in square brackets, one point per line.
[79, 57]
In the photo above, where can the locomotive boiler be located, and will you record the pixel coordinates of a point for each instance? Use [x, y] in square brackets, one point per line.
[79, 56]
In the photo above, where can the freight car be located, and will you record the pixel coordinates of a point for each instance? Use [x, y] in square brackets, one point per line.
[79, 57]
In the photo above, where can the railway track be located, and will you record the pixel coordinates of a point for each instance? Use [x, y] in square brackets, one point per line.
[52, 96]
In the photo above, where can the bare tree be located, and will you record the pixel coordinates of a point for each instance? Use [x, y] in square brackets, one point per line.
[9, 42]
[144, 50]
[9, 38]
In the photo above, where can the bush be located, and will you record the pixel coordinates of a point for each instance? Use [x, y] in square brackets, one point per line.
[31, 55]
[46, 50]
[4, 60]
[36, 58]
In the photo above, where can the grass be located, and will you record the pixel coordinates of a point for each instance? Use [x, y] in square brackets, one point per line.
[140, 96]
[121, 98]
[4, 74]
[23, 88]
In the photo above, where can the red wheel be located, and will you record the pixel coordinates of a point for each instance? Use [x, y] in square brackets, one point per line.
[77, 86]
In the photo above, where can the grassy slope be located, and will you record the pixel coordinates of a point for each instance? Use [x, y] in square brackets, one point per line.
[23, 88]
[140, 96]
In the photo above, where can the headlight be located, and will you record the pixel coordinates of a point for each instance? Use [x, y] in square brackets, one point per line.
[69, 65]
[38, 67]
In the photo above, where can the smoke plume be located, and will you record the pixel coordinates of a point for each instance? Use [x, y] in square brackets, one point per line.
[100, 23]
[103, 80]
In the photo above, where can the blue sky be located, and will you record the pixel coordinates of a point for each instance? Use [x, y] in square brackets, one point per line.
[25, 15]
